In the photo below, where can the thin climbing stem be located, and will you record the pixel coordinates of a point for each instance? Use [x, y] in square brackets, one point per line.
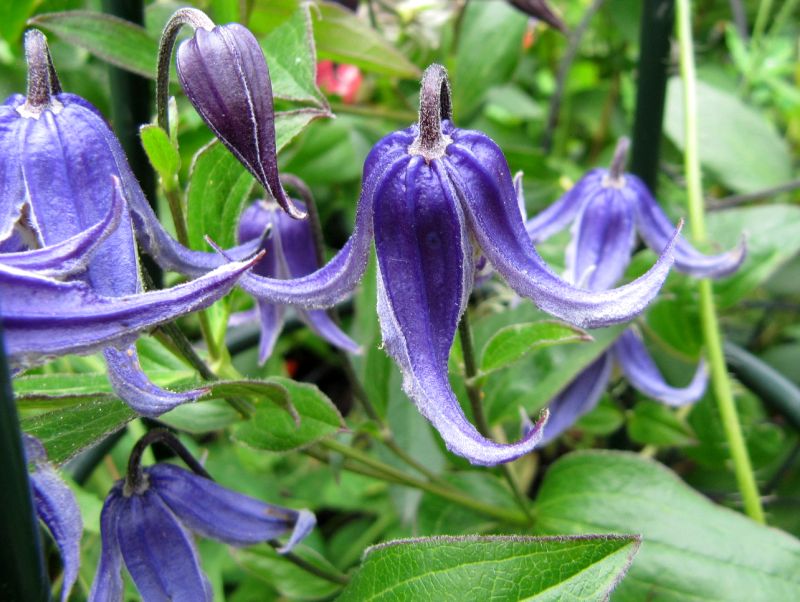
[476, 403]
[365, 464]
[708, 314]
[338, 578]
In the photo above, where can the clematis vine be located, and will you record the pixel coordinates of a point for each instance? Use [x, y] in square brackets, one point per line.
[57, 507]
[64, 181]
[432, 197]
[290, 253]
[148, 517]
[607, 207]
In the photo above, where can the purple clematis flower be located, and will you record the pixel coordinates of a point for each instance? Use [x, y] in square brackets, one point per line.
[290, 253]
[225, 76]
[607, 206]
[57, 508]
[147, 519]
[62, 169]
[432, 196]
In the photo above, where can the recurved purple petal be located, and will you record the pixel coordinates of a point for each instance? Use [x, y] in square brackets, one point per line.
[158, 551]
[602, 239]
[57, 508]
[44, 318]
[642, 372]
[72, 255]
[271, 322]
[481, 178]
[107, 585]
[214, 511]
[321, 323]
[579, 398]
[425, 276]
[226, 78]
[561, 213]
[135, 388]
[655, 228]
[337, 278]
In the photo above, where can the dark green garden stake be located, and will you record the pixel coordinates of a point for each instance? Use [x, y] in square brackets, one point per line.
[657, 25]
[22, 574]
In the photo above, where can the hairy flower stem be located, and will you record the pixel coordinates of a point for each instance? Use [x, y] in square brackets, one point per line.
[134, 476]
[476, 403]
[377, 469]
[195, 19]
[21, 552]
[708, 315]
[338, 578]
[387, 438]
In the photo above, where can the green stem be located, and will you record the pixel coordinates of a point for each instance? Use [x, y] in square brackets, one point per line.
[762, 16]
[378, 469]
[338, 578]
[476, 403]
[24, 577]
[708, 315]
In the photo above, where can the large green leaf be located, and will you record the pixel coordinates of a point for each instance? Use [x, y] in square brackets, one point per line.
[12, 18]
[292, 59]
[493, 568]
[772, 240]
[737, 143]
[219, 186]
[69, 430]
[692, 550]
[112, 39]
[513, 342]
[486, 25]
[341, 36]
[272, 428]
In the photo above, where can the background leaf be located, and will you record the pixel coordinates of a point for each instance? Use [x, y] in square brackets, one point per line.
[692, 549]
[493, 568]
[272, 428]
[737, 143]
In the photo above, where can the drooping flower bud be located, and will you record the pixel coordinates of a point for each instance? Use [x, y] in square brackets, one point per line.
[225, 76]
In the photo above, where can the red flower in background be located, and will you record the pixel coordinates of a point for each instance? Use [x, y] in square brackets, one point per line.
[342, 80]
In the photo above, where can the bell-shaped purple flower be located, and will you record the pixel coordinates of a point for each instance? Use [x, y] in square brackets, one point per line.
[607, 208]
[433, 195]
[289, 253]
[539, 9]
[57, 507]
[147, 523]
[61, 174]
[225, 76]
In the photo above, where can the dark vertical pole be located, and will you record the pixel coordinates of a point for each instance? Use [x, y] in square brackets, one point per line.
[658, 21]
[22, 575]
[131, 106]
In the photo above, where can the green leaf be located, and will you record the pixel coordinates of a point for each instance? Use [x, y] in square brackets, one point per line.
[514, 342]
[219, 186]
[12, 18]
[654, 423]
[693, 550]
[67, 431]
[112, 39]
[771, 241]
[292, 60]
[737, 143]
[273, 429]
[289, 124]
[164, 157]
[489, 24]
[493, 568]
[341, 36]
